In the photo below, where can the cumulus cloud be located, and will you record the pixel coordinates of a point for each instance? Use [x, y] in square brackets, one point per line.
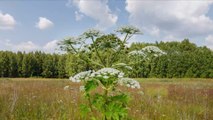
[50, 46]
[28, 46]
[209, 41]
[97, 10]
[177, 18]
[6, 21]
[78, 16]
[23, 46]
[44, 23]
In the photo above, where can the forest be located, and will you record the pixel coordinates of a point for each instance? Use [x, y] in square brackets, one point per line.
[182, 60]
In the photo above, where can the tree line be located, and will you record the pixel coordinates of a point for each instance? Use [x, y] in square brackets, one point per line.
[183, 59]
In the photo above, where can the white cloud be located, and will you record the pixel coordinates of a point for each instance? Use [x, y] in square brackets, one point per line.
[44, 23]
[28, 46]
[97, 10]
[50, 46]
[209, 41]
[170, 38]
[78, 16]
[6, 21]
[23, 46]
[178, 18]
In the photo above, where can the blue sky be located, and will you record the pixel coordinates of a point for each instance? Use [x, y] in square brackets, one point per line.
[40, 24]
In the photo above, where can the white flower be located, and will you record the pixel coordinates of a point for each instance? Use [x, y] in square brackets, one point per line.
[121, 75]
[66, 87]
[137, 53]
[92, 33]
[129, 82]
[81, 76]
[128, 29]
[122, 65]
[153, 49]
[82, 88]
[73, 40]
[105, 77]
[109, 72]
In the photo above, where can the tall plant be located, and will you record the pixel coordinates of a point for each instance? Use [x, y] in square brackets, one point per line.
[105, 71]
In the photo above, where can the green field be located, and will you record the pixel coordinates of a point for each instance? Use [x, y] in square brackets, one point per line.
[158, 99]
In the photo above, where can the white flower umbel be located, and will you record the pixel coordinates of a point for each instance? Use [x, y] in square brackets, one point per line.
[106, 72]
[153, 49]
[122, 65]
[73, 40]
[129, 83]
[129, 30]
[137, 53]
[92, 33]
[81, 76]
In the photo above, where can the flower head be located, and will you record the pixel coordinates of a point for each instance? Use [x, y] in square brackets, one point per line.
[153, 49]
[129, 83]
[81, 76]
[106, 72]
[92, 33]
[137, 53]
[129, 30]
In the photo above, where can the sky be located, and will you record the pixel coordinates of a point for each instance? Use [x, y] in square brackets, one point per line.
[30, 25]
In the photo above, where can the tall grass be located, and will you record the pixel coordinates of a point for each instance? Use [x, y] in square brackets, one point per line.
[158, 99]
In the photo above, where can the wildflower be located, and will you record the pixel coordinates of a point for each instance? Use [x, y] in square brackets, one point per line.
[92, 33]
[108, 72]
[81, 76]
[122, 65]
[153, 49]
[129, 30]
[105, 77]
[73, 40]
[129, 83]
[137, 53]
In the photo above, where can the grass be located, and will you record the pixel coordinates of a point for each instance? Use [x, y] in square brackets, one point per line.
[158, 99]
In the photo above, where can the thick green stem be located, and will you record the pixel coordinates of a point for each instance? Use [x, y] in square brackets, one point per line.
[106, 100]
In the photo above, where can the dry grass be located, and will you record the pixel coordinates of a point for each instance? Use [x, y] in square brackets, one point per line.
[158, 99]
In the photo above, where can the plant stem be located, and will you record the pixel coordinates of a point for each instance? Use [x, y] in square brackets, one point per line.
[96, 50]
[118, 52]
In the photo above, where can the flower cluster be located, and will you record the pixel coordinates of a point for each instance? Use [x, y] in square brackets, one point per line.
[137, 53]
[122, 65]
[92, 33]
[106, 72]
[81, 76]
[153, 49]
[129, 83]
[129, 30]
[73, 40]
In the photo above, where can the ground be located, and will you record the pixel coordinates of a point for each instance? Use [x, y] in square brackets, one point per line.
[158, 99]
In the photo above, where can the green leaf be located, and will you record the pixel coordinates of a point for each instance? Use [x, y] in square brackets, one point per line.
[91, 85]
[84, 110]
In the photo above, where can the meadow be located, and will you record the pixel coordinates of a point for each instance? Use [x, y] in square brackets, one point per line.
[157, 99]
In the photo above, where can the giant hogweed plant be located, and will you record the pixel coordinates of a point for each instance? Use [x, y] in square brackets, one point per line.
[105, 72]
